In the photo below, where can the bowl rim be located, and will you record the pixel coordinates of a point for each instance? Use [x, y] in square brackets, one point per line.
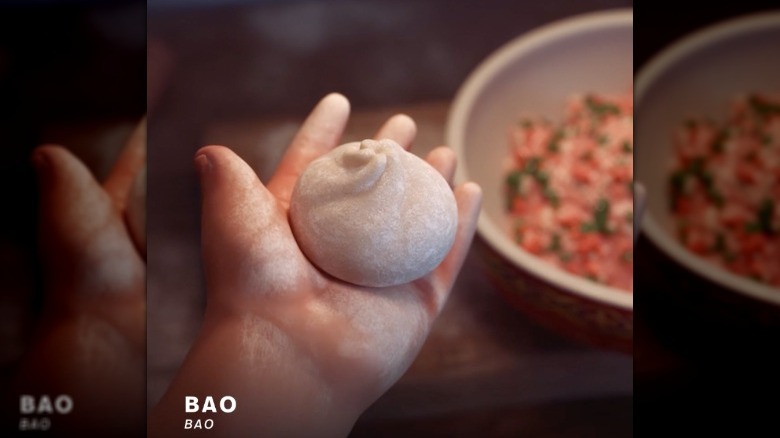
[455, 132]
[645, 78]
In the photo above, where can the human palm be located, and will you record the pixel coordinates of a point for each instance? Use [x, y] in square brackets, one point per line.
[341, 345]
[89, 342]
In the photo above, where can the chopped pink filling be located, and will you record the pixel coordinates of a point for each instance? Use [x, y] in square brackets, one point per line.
[569, 188]
[725, 188]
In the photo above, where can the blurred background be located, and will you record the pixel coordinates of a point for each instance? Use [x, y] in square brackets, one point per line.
[702, 355]
[71, 73]
[245, 74]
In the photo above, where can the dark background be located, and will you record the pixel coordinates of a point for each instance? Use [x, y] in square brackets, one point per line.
[704, 360]
[71, 73]
[62, 63]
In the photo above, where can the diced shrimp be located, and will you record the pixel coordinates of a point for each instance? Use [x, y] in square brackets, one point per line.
[752, 243]
[698, 240]
[564, 180]
[734, 214]
[569, 215]
[620, 173]
[533, 241]
[582, 172]
[588, 243]
[726, 180]
[746, 173]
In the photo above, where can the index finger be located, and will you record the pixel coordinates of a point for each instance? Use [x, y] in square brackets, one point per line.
[399, 128]
[439, 283]
[320, 133]
[130, 160]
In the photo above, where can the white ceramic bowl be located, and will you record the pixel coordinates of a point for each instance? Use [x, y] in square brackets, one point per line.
[536, 73]
[699, 75]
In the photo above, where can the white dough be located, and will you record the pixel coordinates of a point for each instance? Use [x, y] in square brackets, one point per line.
[372, 214]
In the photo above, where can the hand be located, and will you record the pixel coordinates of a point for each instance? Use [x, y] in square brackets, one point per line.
[300, 351]
[90, 343]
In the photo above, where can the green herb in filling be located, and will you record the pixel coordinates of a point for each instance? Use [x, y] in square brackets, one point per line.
[706, 179]
[600, 216]
[531, 168]
[532, 165]
[695, 169]
[716, 197]
[763, 222]
[555, 142]
[555, 243]
[752, 227]
[601, 109]
[552, 197]
[764, 216]
[513, 183]
[762, 107]
[696, 165]
[719, 143]
[542, 178]
[720, 243]
[678, 181]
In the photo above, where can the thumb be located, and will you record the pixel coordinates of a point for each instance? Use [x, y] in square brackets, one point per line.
[82, 244]
[247, 242]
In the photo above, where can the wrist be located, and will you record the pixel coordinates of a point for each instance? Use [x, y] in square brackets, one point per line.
[277, 390]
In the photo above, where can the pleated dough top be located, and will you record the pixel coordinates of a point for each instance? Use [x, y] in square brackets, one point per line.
[373, 214]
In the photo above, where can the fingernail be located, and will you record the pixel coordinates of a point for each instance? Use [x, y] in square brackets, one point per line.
[203, 164]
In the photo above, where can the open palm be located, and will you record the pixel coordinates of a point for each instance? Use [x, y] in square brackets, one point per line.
[90, 341]
[340, 346]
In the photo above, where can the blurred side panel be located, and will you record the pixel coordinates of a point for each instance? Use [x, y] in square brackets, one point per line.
[72, 73]
[707, 296]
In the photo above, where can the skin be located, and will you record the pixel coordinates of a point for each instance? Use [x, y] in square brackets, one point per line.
[302, 353]
[90, 341]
